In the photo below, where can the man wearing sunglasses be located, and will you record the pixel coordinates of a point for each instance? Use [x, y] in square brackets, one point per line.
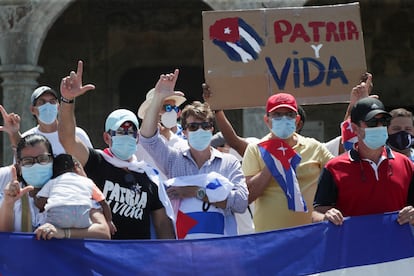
[370, 178]
[131, 188]
[169, 112]
[207, 185]
[168, 126]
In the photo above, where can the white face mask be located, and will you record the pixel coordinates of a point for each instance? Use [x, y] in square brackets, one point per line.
[169, 119]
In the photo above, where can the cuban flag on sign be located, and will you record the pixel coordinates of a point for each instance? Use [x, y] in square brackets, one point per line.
[282, 160]
[349, 137]
[237, 39]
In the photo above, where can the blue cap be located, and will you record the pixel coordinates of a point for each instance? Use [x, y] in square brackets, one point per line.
[118, 117]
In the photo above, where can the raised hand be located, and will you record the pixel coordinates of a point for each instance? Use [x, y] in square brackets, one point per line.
[206, 92]
[166, 83]
[12, 191]
[11, 122]
[360, 91]
[363, 89]
[71, 86]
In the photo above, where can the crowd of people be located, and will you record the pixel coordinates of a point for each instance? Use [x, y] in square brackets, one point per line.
[177, 177]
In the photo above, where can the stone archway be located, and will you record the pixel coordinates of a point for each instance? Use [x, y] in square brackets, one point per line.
[23, 26]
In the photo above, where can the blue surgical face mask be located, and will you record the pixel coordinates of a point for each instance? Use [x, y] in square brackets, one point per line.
[375, 137]
[37, 175]
[47, 113]
[283, 127]
[199, 139]
[123, 146]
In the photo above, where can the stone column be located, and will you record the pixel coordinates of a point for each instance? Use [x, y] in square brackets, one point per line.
[19, 81]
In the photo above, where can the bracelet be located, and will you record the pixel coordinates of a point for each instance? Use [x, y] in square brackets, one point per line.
[67, 233]
[63, 99]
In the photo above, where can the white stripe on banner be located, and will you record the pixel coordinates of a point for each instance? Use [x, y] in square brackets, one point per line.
[250, 39]
[400, 267]
[245, 56]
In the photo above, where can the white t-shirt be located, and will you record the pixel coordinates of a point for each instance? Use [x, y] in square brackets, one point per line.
[53, 138]
[333, 145]
[67, 189]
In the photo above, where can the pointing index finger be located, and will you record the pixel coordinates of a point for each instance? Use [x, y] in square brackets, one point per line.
[3, 111]
[14, 173]
[79, 71]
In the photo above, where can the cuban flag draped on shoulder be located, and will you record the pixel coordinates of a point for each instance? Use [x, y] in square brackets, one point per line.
[237, 39]
[282, 160]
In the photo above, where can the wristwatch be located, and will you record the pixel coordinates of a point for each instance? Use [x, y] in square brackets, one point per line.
[201, 193]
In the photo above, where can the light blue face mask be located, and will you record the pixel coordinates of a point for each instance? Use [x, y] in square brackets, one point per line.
[47, 113]
[37, 175]
[199, 139]
[283, 127]
[124, 146]
[375, 137]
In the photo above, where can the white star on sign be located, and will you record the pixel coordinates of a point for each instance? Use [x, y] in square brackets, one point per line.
[227, 30]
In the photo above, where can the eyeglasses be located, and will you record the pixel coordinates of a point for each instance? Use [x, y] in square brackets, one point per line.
[195, 126]
[119, 132]
[280, 115]
[169, 108]
[42, 159]
[384, 121]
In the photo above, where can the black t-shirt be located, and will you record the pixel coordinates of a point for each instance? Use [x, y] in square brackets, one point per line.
[131, 196]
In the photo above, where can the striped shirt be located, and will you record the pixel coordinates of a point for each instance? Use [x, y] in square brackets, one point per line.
[179, 162]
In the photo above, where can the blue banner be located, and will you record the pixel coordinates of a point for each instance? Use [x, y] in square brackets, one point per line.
[367, 242]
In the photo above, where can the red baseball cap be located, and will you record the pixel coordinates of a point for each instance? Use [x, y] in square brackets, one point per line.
[281, 100]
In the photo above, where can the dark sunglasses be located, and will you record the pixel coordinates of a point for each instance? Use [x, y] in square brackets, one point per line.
[196, 126]
[119, 132]
[384, 121]
[169, 108]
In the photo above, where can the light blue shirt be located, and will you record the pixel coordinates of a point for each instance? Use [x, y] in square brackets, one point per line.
[179, 162]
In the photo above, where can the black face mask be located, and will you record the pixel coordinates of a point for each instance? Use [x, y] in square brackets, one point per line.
[400, 140]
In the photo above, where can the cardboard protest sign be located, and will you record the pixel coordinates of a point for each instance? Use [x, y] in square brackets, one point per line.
[315, 53]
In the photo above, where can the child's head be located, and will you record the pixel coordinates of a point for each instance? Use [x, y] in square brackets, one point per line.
[64, 163]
